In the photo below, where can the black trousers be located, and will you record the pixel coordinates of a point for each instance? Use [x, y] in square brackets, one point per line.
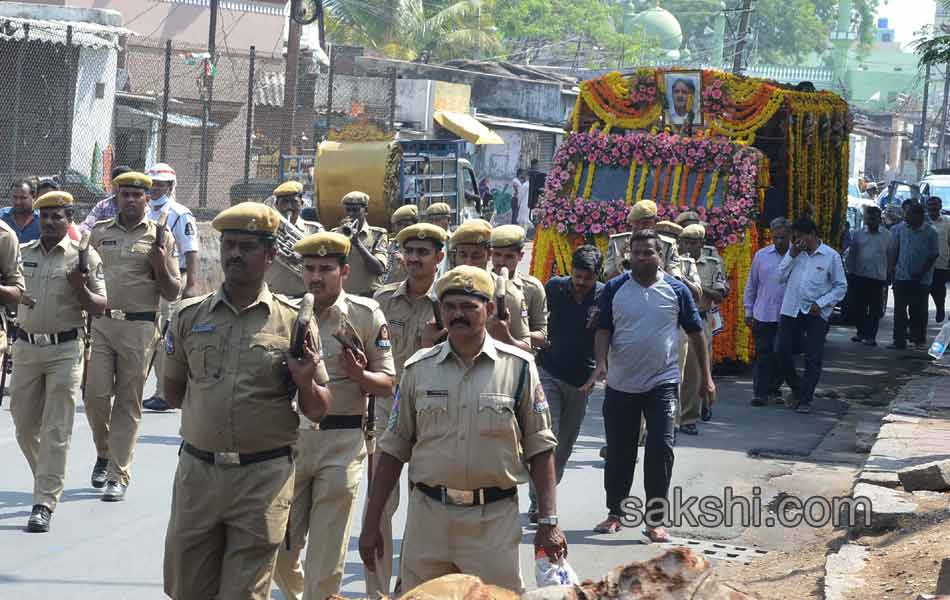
[910, 301]
[867, 296]
[769, 369]
[938, 290]
[622, 413]
[805, 334]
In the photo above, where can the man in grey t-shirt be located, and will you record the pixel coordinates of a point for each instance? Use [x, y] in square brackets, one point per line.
[638, 337]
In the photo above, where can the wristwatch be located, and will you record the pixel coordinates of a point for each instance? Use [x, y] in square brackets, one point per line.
[549, 520]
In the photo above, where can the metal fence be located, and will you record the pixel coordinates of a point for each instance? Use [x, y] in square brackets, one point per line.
[77, 104]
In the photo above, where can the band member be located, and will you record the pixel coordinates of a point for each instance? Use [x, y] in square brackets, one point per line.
[370, 247]
[283, 277]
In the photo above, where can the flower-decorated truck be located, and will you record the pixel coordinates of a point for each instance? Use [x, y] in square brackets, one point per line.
[739, 151]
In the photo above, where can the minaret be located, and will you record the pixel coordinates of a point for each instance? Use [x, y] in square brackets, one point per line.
[842, 38]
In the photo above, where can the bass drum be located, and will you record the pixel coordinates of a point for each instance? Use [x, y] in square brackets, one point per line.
[369, 167]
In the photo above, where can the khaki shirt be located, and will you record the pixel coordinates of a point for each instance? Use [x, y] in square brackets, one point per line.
[713, 279]
[130, 282]
[469, 428]
[57, 305]
[517, 312]
[360, 281]
[11, 272]
[282, 279]
[618, 252]
[367, 325]
[239, 394]
[407, 318]
[397, 265]
[536, 301]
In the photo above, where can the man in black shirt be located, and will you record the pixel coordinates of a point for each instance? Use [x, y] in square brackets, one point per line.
[566, 360]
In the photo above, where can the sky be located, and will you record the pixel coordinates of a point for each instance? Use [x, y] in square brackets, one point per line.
[906, 16]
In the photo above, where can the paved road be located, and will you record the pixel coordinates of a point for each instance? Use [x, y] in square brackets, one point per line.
[95, 547]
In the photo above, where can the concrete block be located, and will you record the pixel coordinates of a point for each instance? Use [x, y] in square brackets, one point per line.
[842, 571]
[883, 478]
[933, 476]
[864, 436]
[888, 507]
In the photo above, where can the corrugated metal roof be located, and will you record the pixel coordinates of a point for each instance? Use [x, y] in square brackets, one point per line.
[173, 118]
[87, 35]
[507, 123]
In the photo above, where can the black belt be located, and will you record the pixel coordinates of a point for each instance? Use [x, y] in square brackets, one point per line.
[234, 458]
[445, 495]
[341, 422]
[47, 339]
[129, 316]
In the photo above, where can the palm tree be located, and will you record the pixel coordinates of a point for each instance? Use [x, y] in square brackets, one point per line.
[935, 50]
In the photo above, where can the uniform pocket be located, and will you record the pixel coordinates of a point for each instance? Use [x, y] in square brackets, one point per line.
[496, 414]
[432, 409]
[205, 356]
[267, 356]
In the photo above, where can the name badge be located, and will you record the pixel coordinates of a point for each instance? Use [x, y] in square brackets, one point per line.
[203, 328]
[437, 393]
[27, 263]
[110, 242]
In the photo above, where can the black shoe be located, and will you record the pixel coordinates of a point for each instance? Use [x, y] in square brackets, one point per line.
[870, 343]
[114, 492]
[803, 409]
[758, 402]
[856, 338]
[39, 519]
[689, 429]
[99, 472]
[156, 403]
[707, 413]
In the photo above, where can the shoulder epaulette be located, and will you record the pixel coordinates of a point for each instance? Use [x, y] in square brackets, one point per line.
[386, 289]
[193, 301]
[361, 301]
[423, 354]
[508, 349]
[36, 242]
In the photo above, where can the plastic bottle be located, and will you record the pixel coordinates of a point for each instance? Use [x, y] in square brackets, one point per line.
[940, 342]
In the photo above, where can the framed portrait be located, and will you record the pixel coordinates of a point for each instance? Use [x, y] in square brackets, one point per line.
[683, 93]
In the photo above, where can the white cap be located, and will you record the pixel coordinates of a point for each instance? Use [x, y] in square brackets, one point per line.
[162, 172]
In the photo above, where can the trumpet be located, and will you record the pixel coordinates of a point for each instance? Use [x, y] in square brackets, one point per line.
[348, 226]
[288, 235]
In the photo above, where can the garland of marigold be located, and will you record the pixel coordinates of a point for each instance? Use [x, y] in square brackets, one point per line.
[666, 183]
[684, 183]
[644, 171]
[700, 175]
[677, 176]
[628, 197]
[711, 194]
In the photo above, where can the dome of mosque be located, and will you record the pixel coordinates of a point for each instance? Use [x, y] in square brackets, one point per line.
[658, 24]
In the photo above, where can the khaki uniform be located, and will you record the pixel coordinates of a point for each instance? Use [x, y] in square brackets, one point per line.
[361, 282]
[46, 387]
[713, 278]
[536, 301]
[618, 253]
[407, 318]
[10, 272]
[691, 274]
[281, 279]
[330, 461]
[227, 520]
[123, 345]
[518, 315]
[397, 265]
[467, 429]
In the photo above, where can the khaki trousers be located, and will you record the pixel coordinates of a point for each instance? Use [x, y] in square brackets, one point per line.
[120, 354]
[476, 540]
[225, 526]
[165, 311]
[43, 397]
[378, 582]
[692, 377]
[329, 468]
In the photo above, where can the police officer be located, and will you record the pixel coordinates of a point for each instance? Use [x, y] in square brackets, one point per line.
[370, 247]
[330, 453]
[403, 217]
[687, 218]
[181, 223]
[440, 214]
[409, 307]
[484, 401]
[230, 372]
[48, 360]
[138, 271]
[642, 216]
[507, 250]
[714, 289]
[470, 245]
[288, 200]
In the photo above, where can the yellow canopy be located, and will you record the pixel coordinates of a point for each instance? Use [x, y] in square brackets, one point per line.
[468, 127]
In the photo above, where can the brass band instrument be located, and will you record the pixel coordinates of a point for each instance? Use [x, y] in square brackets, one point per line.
[288, 235]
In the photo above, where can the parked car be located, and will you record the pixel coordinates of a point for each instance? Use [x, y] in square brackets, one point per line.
[83, 189]
[937, 184]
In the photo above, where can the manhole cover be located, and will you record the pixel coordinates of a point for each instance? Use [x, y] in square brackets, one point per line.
[720, 551]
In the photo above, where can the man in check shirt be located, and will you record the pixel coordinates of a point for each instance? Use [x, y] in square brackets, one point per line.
[815, 282]
[764, 291]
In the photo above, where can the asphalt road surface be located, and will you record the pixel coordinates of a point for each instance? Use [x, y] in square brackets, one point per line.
[97, 548]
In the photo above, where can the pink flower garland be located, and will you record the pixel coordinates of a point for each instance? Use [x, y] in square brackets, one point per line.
[726, 223]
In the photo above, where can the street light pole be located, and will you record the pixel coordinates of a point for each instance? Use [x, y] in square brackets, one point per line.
[206, 111]
[743, 34]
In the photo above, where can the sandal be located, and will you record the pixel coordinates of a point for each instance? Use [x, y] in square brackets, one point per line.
[609, 525]
[657, 535]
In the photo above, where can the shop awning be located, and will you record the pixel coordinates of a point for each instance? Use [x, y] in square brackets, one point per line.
[468, 127]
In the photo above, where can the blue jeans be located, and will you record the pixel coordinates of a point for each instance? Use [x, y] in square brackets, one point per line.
[804, 334]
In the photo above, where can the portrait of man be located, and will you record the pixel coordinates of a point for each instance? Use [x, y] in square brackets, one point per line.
[683, 95]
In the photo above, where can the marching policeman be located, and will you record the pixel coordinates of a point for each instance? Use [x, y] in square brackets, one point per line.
[440, 214]
[181, 223]
[715, 288]
[230, 372]
[288, 200]
[409, 307]
[358, 358]
[470, 244]
[48, 360]
[483, 400]
[403, 217]
[642, 216]
[139, 269]
[507, 250]
[370, 247]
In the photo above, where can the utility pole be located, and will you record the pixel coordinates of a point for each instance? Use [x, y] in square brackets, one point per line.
[941, 145]
[206, 112]
[922, 139]
[290, 88]
[743, 33]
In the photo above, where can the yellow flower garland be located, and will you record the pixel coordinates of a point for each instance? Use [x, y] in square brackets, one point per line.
[628, 197]
[711, 194]
[677, 173]
[644, 171]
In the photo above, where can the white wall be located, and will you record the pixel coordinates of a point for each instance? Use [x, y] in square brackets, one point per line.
[92, 117]
[499, 162]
